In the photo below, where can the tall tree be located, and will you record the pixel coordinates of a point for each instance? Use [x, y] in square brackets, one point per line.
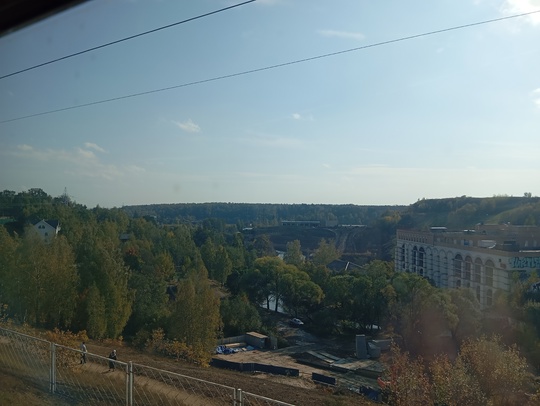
[101, 263]
[239, 316]
[325, 253]
[300, 295]
[8, 270]
[47, 281]
[263, 247]
[293, 254]
[222, 264]
[195, 319]
[272, 270]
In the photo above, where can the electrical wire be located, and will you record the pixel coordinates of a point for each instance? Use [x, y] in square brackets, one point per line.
[125, 39]
[280, 65]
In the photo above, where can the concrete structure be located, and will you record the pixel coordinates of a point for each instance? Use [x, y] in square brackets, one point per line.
[361, 347]
[256, 340]
[483, 259]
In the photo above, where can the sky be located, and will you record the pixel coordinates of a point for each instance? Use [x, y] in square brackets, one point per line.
[392, 120]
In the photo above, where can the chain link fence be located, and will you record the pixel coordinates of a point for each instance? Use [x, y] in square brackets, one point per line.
[61, 371]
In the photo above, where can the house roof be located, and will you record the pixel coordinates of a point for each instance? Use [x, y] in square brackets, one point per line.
[52, 223]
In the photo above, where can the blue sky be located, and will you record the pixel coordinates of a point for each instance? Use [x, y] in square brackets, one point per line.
[451, 114]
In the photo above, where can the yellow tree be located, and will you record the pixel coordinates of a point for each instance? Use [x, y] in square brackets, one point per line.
[46, 281]
[501, 371]
[195, 318]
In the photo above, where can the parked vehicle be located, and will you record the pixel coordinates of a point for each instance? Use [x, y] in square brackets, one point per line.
[296, 322]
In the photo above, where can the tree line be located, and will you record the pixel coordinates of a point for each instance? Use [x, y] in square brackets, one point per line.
[187, 284]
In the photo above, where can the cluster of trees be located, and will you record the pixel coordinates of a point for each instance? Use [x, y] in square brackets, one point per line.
[191, 283]
[485, 372]
[260, 214]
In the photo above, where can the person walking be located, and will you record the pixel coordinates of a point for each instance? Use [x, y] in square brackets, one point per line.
[112, 358]
[83, 353]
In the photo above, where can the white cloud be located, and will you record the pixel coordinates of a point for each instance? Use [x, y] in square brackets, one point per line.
[298, 116]
[188, 126]
[536, 97]
[91, 145]
[85, 154]
[78, 161]
[357, 36]
[522, 6]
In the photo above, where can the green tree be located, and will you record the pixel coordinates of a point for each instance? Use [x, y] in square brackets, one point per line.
[47, 281]
[101, 263]
[223, 265]
[195, 319]
[325, 253]
[149, 282]
[96, 312]
[468, 313]
[421, 311]
[293, 254]
[263, 247]
[300, 295]
[239, 316]
[272, 270]
[8, 268]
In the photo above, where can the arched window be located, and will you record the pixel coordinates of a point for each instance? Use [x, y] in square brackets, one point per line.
[458, 260]
[468, 268]
[489, 272]
[478, 270]
[414, 258]
[421, 256]
[458, 283]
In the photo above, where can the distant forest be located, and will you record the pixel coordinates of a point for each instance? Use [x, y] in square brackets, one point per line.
[262, 214]
[454, 212]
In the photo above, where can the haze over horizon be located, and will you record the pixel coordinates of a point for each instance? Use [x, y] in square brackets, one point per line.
[386, 123]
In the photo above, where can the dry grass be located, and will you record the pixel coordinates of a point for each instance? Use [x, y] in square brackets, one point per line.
[14, 391]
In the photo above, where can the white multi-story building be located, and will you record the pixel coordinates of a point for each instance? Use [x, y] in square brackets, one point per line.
[484, 259]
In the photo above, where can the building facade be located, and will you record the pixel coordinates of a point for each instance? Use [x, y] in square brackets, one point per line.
[483, 259]
[47, 229]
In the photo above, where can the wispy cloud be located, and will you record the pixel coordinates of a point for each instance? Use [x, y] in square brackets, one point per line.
[298, 116]
[536, 97]
[357, 36]
[522, 6]
[188, 126]
[78, 161]
[91, 145]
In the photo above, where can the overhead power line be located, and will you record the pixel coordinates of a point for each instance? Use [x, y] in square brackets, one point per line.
[279, 65]
[125, 39]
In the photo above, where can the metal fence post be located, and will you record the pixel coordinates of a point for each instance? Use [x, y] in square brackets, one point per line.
[238, 398]
[52, 369]
[130, 390]
[127, 384]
